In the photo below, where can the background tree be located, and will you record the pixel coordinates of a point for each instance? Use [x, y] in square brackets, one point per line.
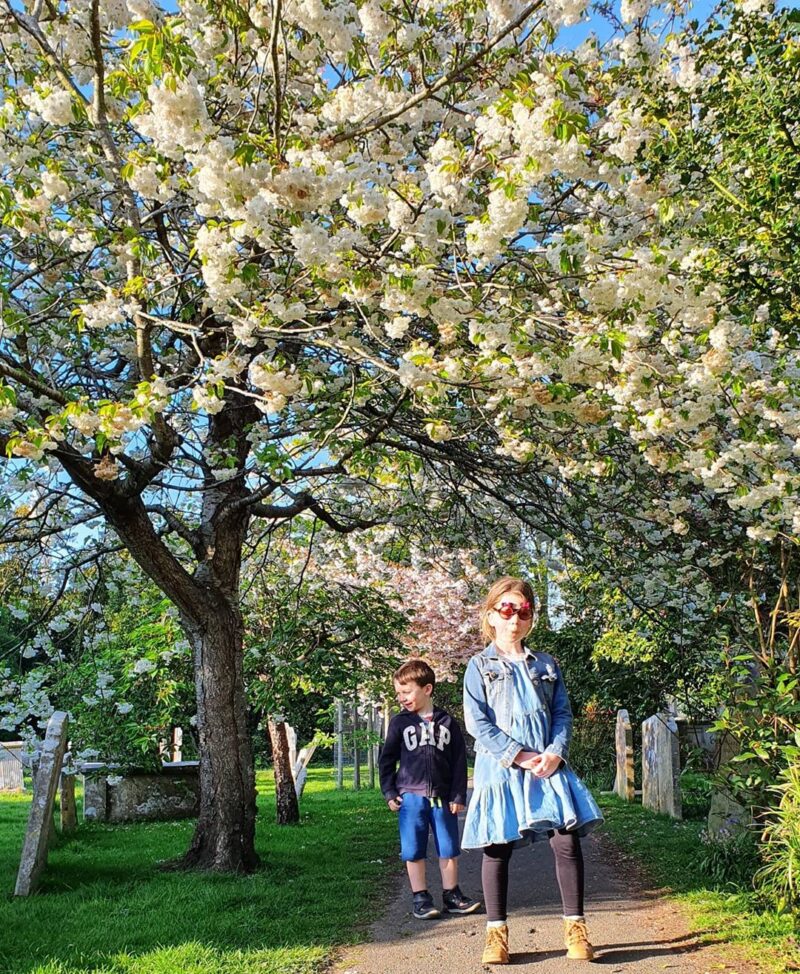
[312, 633]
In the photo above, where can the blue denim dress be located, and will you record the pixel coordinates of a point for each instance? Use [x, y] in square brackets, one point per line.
[511, 706]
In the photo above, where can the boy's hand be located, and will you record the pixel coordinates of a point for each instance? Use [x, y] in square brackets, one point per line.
[455, 808]
[395, 803]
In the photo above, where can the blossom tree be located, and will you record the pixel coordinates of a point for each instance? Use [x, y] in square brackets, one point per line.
[350, 262]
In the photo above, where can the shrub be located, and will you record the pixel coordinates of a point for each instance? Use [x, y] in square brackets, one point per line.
[731, 857]
[696, 792]
[779, 877]
[591, 751]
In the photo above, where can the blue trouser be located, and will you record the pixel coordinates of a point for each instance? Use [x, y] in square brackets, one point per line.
[418, 815]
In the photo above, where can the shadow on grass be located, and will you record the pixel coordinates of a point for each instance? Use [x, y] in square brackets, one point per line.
[105, 907]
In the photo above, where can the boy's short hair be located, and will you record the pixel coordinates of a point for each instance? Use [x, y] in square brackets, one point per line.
[415, 671]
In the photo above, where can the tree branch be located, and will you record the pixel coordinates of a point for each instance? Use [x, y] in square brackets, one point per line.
[361, 129]
[305, 502]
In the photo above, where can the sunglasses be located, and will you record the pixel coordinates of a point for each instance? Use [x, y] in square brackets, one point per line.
[507, 610]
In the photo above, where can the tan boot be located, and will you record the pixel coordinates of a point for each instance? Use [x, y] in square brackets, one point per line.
[576, 940]
[496, 949]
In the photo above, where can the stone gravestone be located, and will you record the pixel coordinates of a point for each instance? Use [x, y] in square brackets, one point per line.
[291, 739]
[95, 791]
[69, 810]
[177, 744]
[726, 816]
[300, 768]
[661, 766]
[623, 783]
[48, 773]
[11, 766]
[172, 793]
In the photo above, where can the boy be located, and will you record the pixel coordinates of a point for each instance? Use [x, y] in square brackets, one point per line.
[429, 789]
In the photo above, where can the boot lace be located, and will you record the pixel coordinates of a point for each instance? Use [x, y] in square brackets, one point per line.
[577, 934]
[496, 937]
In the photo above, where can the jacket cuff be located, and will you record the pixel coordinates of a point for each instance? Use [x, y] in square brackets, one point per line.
[560, 749]
[507, 757]
[391, 795]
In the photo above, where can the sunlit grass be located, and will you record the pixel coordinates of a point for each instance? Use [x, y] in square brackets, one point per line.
[105, 908]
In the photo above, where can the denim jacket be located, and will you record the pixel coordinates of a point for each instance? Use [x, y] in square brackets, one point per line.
[489, 705]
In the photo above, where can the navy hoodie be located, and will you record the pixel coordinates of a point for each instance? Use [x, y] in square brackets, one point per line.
[431, 754]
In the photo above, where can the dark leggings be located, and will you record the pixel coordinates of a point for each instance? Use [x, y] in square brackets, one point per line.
[566, 848]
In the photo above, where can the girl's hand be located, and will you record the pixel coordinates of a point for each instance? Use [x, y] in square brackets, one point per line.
[455, 808]
[546, 764]
[395, 803]
[526, 759]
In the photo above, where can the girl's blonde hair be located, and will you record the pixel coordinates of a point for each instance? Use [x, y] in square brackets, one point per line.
[508, 583]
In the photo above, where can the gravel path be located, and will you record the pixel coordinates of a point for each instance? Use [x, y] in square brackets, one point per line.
[634, 931]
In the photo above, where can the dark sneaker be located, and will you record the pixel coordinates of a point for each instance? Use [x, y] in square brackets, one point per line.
[456, 902]
[424, 908]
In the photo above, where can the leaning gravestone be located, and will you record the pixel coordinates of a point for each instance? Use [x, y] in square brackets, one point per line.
[300, 768]
[661, 766]
[623, 783]
[11, 766]
[40, 819]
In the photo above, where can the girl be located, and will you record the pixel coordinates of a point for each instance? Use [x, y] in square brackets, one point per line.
[516, 707]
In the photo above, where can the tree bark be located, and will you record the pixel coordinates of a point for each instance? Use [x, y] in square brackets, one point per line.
[208, 602]
[224, 838]
[286, 806]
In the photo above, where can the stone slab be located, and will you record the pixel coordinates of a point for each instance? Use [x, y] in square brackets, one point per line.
[40, 819]
[661, 766]
[11, 766]
[624, 780]
[143, 797]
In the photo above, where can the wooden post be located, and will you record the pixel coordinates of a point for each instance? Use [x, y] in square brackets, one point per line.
[380, 735]
[356, 764]
[339, 746]
[370, 747]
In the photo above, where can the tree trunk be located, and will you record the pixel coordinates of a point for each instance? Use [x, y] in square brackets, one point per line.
[286, 807]
[207, 595]
[224, 838]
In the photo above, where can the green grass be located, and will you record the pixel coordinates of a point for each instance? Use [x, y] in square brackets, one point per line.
[669, 851]
[105, 908]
